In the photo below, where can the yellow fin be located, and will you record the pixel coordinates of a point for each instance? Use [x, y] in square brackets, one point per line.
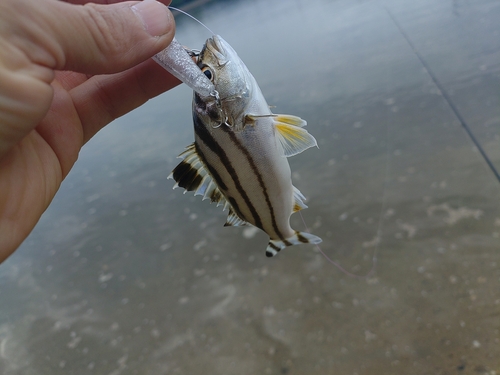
[298, 200]
[292, 136]
[290, 120]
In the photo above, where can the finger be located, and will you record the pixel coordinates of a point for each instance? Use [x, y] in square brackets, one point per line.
[102, 99]
[93, 38]
[81, 2]
[69, 80]
[40, 36]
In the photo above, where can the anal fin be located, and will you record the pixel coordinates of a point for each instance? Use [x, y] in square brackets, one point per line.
[298, 200]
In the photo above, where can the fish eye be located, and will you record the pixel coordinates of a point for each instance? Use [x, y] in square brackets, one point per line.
[208, 73]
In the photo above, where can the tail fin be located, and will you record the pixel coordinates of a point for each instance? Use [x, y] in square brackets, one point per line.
[298, 238]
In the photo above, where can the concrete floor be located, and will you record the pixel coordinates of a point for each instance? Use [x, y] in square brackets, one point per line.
[125, 276]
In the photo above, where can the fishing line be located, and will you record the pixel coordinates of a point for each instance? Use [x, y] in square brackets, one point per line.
[447, 98]
[384, 199]
[336, 264]
[194, 18]
[378, 236]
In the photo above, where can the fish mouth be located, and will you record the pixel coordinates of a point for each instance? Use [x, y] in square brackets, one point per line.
[218, 47]
[215, 43]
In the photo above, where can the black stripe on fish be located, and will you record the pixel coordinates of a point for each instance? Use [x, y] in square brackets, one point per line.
[199, 103]
[217, 178]
[236, 208]
[208, 108]
[257, 174]
[271, 245]
[216, 196]
[212, 144]
[186, 176]
[301, 238]
[275, 246]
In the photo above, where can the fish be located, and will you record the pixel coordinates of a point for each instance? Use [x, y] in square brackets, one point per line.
[239, 156]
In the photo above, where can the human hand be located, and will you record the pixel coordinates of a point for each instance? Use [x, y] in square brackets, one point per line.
[66, 71]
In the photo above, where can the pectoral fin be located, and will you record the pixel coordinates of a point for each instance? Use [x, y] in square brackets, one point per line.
[292, 136]
[290, 120]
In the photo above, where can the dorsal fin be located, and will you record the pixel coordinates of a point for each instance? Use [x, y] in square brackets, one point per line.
[192, 175]
[234, 220]
[292, 136]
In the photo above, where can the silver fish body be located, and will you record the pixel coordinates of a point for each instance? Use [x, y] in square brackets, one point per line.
[239, 155]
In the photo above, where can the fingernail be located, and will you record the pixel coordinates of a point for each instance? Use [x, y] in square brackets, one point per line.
[154, 16]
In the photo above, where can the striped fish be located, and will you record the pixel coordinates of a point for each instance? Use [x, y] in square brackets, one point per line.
[238, 159]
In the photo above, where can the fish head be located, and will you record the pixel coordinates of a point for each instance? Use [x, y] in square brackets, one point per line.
[232, 80]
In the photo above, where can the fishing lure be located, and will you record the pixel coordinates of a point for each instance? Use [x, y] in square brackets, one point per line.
[178, 62]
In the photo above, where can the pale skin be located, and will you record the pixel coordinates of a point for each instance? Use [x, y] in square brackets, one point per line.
[66, 71]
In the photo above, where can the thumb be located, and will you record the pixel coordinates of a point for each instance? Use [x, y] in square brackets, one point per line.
[40, 36]
[96, 39]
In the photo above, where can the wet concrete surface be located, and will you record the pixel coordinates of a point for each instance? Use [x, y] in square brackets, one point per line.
[124, 275]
